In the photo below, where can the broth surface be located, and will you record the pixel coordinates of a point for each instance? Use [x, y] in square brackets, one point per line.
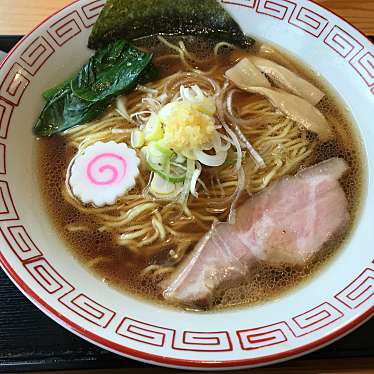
[121, 268]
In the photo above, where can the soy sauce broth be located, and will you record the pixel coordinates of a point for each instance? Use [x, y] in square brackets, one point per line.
[121, 268]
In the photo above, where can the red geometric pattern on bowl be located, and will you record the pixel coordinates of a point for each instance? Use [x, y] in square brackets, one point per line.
[36, 54]
[218, 341]
[342, 42]
[2, 159]
[21, 243]
[264, 336]
[47, 277]
[197, 341]
[364, 65]
[358, 291]
[91, 11]
[6, 112]
[315, 319]
[144, 332]
[339, 40]
[300, 325]
[88, 309]
[309, 21]
[16, 81]
[8, 211]
[66, 28]
[246, 3]
[276, 8]
[14, 84]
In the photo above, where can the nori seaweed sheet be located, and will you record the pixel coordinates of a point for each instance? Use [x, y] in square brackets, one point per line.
[132, 19]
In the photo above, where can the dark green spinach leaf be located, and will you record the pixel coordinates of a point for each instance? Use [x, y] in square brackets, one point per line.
[78, 111]
[48, 94]
[51, 119]
[64, 110]
[111, 71]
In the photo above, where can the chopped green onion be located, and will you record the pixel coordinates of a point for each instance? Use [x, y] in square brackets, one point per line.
[160, 186]
[159, 163]
[161, 148]
[153, 129]
[171, 176]
[180, 159]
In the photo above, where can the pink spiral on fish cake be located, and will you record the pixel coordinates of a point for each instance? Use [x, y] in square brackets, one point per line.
[106, 169]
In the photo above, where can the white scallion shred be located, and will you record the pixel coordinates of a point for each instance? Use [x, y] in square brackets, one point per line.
[146, 89]
[239, 188]
[194, 179]
[121, 108]
[211, 160]
[183, 197]
[121, 131]
[203, 185]
[218, 146]
[235, 140]
[238, 121]
[255, 155]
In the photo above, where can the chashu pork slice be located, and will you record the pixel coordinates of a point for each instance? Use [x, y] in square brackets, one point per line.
[287, 223]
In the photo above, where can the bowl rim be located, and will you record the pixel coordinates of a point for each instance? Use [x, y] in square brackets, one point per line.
[164, 360]
[176, 362]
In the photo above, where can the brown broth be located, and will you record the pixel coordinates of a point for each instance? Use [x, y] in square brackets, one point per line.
[123, 268]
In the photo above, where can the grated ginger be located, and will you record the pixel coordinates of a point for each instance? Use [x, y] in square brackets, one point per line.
[186, 128]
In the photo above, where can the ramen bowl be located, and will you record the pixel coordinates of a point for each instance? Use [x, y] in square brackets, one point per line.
[332, 303]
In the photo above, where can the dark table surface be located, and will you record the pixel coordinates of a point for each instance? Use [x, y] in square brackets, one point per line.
[29, 340]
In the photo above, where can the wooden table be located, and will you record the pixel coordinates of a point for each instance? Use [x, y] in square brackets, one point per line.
[17, 17]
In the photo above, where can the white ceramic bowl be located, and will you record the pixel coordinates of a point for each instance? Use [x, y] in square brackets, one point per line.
[333, 303]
